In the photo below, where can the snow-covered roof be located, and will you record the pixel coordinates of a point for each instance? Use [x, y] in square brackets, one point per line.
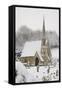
[30, 48]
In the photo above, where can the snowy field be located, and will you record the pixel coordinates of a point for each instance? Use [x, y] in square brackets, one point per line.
[55, 52]
[45, 73]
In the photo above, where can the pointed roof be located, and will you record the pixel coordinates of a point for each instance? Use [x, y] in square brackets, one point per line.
[43, 27]
[38, 54]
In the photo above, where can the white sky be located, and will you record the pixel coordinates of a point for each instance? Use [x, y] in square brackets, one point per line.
[33, 18]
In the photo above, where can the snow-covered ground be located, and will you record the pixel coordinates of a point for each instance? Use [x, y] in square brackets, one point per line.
[45, 73]
[55, 52]
[23, 75]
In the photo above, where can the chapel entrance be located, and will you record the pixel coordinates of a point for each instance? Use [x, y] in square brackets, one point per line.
[36, 61]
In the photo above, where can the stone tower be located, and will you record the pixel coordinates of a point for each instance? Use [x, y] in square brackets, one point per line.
[45, 48]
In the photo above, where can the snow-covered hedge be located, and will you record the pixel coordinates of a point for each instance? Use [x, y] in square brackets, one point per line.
[22, 74]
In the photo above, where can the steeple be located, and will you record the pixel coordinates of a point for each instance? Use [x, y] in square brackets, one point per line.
[43, 29]
[45, 50]
[43, 33]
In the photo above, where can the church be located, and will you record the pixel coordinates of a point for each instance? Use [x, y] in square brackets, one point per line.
[37, 52]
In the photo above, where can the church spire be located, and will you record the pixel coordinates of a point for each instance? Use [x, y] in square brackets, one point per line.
[43, 33]
[45, 49]
[43, 27]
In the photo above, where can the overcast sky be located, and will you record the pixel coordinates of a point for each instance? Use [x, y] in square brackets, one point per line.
[33, 18]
